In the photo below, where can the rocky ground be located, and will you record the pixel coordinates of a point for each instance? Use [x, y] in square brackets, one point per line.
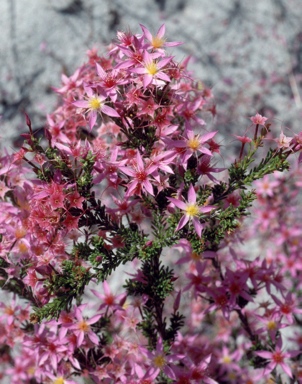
[249, 52]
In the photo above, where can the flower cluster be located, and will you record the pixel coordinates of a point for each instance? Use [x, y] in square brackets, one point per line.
[126, 174]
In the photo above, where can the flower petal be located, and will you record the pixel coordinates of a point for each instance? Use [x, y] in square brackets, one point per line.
[92, 119]
[191, 195]
[178, 203]
[148, 187]
[182, 222]
[81, 103]
[161, 31]
[198, 226]
[109, 111]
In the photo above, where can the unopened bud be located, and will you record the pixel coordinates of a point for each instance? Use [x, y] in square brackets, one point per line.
[28, 122]
[177, 302]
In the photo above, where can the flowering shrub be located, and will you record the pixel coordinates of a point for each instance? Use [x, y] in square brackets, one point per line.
[126, 175]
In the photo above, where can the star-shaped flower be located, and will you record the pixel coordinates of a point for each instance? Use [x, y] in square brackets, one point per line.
[192, 211]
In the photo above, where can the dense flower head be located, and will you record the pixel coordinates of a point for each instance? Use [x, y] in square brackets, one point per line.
[119, 179]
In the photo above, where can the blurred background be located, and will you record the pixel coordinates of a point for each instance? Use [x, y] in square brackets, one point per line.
[248, 52]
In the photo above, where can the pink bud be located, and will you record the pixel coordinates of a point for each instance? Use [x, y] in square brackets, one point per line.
[28, 122]
[177, 301]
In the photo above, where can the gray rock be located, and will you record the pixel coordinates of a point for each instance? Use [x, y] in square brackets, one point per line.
[249, 52]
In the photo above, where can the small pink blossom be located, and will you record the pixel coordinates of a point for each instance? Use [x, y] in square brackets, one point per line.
[161, 361]
[266, 186]
[94, 104]
[152, 69]
[158, 41]
[243, 139]
[81, 328]
[140, 174]
[283, 141]
[192, 211]
[109, 300]
[277, 358]
[258, 119]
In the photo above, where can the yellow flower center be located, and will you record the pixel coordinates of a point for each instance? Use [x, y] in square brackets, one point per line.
[59, 380]
[195, 256]
[9, 311]
[227, 360]
[157, 42]
[94, 103]
[232, 375]
[20, 232]
[270, 381]
[23, 248]
[271, 325]
[152, 68]
[192, 210]
[83, 326]
[193, 143]
[159, 361]
[31, 371]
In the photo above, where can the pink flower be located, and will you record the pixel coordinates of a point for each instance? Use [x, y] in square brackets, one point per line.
[140, 174]
[110, 81]
[161, 362]
[70, 83]
[158, 41]
[283, 141]
[287, 307]
[95, 104]
[109, 300]
[204, 168]
[3, 189]
[59, 378]
[10, 311]
[192, 211]
[198, 280]
[258, 119]
[82, 328]
[152, 69]
[193, 144]
[266, 187]
[271, 323]
[56, 131]
[199, 372]
[52, 352]
[229, 360]
[277, 358]
[243, 139]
